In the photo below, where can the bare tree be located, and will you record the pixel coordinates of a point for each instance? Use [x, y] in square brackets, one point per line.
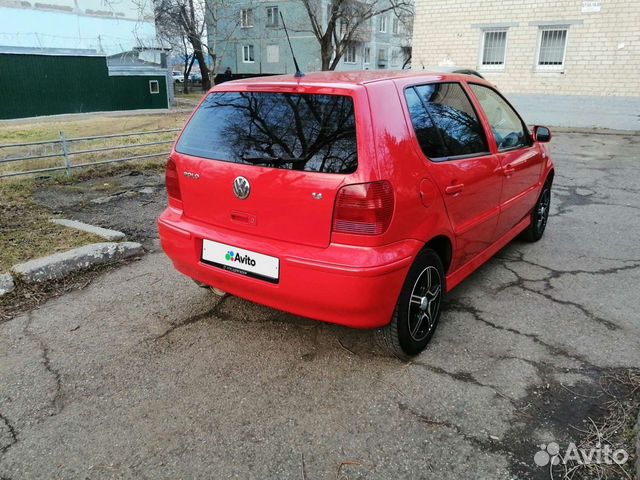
[347, 21]
[182, 24]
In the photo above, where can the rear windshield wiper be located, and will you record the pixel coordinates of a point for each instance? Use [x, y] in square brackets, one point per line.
[279, 160]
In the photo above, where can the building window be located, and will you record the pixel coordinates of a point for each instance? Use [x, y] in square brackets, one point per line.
[273, 53]
[272, 16]
[395, 57]
[382, 58]
[154, 86]
[350, 54]
[246, 17]
[247, 54]
[395, 26]
[367, 55]
[552, 46]
[494, 49]
[382, 23]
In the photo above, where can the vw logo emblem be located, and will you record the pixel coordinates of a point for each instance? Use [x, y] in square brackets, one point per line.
[241, 187]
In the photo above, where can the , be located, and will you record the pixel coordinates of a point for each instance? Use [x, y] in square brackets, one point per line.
[358, 198]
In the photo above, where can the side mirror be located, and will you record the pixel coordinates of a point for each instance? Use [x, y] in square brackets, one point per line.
[541, 134]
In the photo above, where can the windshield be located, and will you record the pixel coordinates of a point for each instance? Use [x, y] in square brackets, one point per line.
[315, 133]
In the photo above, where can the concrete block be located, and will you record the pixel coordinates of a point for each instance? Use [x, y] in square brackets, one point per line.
[107, 234]
[6, 284]
[62, 264]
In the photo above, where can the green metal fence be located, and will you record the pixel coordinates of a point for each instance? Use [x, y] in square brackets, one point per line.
[33, 85]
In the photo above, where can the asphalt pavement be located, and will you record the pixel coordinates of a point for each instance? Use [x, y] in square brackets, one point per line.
[144, 375]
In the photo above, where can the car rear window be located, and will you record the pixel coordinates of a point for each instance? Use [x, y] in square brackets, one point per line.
[315, 133]
[445, 122]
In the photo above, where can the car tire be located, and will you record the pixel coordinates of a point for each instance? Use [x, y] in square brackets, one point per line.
[539, 216]
[420, 301]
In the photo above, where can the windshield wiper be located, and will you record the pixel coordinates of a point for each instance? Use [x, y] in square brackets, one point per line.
[279, 160]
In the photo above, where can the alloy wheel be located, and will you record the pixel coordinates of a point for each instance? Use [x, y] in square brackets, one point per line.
[424, 303]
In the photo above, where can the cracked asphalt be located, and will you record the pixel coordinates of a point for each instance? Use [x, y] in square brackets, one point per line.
[144, 375]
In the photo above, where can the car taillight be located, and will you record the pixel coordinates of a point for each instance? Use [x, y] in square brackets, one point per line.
[364, 208]
[171, 180]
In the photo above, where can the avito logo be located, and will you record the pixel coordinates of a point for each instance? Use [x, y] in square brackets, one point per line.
[236, 257]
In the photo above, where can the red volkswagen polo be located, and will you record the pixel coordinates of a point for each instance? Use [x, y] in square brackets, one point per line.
[356, 198]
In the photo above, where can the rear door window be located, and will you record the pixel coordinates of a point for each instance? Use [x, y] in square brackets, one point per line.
[315, 133]
[508, 129]
[445, 122]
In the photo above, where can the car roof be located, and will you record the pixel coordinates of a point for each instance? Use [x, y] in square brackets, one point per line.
[347, 79]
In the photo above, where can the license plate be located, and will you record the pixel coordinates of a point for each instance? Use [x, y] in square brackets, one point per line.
[241, 261]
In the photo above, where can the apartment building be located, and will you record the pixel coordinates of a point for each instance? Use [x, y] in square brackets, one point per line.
[578, 59]
[250, 39]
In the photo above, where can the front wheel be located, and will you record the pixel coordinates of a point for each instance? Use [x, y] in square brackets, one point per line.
[418, 309]
[539, 215]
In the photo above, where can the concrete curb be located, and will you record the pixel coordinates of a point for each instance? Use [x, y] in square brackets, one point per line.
[62, 264]
[106, 233]
[7, 284]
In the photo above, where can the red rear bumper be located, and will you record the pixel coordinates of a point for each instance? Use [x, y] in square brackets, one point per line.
[348, 285]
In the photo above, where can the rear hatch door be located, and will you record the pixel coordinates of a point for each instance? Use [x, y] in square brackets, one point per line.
[268, 163]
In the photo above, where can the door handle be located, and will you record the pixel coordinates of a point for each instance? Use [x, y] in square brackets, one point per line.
[454, 189]
[509, 169]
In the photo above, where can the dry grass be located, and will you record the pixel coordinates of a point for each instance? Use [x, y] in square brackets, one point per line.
[616, 429]
[189, 100]
[26, 232]
[89, 125]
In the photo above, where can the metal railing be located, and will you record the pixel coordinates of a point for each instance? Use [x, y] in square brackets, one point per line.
[63, 150]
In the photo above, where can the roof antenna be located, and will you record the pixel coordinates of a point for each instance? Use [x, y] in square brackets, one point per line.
[298, 73]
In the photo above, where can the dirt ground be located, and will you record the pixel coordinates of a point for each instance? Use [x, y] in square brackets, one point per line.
[141, 374]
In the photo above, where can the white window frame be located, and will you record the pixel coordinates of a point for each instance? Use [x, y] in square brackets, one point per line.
[248, 54]
[154, 87]
[395, 25]
[273, 13]
[246, 18]
[366, 55]
[481, 64]
[382, 23]
[351, 48]
[552, 68]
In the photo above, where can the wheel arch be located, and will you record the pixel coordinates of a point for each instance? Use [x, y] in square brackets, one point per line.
[550, 174]
[442, 245]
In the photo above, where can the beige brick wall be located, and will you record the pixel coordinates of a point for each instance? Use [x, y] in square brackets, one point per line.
[602, 55]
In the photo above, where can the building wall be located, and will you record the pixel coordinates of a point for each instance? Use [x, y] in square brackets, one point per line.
[232, 38]
[34, 85]
[602, 53]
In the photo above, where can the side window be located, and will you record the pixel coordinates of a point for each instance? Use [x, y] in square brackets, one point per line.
[444, 121]
[508, 129]
[428, 138]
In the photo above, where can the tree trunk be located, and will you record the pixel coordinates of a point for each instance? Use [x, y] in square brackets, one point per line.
[204, 70]
[187, 74]
[326, 52]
